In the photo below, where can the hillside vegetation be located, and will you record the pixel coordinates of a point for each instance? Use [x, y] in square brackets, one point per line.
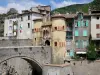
[72, 9]
[78, 7]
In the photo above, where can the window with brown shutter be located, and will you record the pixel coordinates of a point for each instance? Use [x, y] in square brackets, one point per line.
[55, 43]
[55, 28]
[98, 35]
[35, 29]
[97, 26]
[63, 28]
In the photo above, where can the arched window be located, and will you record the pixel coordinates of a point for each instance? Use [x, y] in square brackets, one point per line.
[44, 32]
[47, 32]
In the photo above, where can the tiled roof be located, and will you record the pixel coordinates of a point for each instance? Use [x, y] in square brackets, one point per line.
[29, 13]
[58, 15]
[66, 15]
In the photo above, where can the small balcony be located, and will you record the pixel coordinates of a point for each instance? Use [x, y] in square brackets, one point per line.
[80, 50]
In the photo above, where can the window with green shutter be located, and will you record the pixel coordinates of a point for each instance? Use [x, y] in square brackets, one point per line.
[85, 43]
[76, 33]
[79, 23]
[79, 44]
[82, 44]
[85, 33]
[82, 23]
[76, 44]
[87, 22]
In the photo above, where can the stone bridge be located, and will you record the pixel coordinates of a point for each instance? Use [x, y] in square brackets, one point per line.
[23, 60]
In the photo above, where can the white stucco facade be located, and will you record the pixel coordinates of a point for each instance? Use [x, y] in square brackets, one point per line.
[94, 30]
[24, 31]
[8, 26]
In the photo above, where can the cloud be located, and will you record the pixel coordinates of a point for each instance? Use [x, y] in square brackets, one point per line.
[19, 5]
[62, 4]
[67, 3]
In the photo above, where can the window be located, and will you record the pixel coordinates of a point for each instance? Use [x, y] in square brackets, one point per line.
[98, 35]
[35, 39]
[76, 33]
[85, 43]
[80, 16]
[68, 43]
[68, 52]
[28, 17]
[47, 32]
[55, 28]
[10, 21]
[79, 43]
[79, 23]
[15, 27]
[76, 24]
[76, 43]
[28, 25]
[15, 33]
[10, 27]
[10, 34]
[21, 18]
[55, 43]
[85, 33]
[86, 23]
[63, 27]
[44, 32]
[97, 26]
[97, 17]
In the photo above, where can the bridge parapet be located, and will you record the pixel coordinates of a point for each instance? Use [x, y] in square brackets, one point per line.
[40, 54]
[15, 42]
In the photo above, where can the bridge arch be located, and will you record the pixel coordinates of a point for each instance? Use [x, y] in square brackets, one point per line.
[34, 64]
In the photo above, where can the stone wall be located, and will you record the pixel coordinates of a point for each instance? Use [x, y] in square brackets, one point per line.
[24, 59]
[15, 42]
[86, 68]
[53, 69]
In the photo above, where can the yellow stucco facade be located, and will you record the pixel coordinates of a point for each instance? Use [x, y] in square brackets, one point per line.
[37, 32]
[57, 37]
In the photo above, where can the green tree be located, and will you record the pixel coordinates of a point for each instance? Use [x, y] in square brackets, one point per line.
[95, 5]
[91, 53]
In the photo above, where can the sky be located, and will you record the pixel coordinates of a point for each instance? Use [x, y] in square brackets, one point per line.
[20, 5]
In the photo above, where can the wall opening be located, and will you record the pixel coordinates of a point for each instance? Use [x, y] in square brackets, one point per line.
[47, 43]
